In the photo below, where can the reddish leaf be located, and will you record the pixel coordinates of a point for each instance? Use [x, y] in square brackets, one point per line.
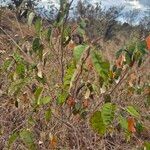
[71, 101]
[131, 125]
[85, 103]
[148, 42]
[71, 45]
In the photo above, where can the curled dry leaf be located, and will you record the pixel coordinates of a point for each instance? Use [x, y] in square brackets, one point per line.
[131, 125]
[87, 94]
[120, 60]
[40, 70]
[85, 103]
[25, 98]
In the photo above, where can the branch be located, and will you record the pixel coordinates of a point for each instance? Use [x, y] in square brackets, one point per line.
[25, 56]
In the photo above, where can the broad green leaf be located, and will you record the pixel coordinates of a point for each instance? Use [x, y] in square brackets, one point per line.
[38, 94]
[45, 100]
[20, 69]
[78, 51]
[123, 122]
[132, 111]
[62, 98]
[12, 139]
[27, 138]
[38, 47]
[141, 46]
[101, 66]
[48, 114]
[139, 127]
[69, 74]
[108, 112]
[147, 146]
[38, 26]
[36, 44]
[96, 122]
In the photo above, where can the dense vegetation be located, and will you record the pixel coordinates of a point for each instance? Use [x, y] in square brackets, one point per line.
[64, 86]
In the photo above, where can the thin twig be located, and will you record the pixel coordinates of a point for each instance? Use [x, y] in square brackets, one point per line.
[122, 78]
[25, 56]
[70, 126]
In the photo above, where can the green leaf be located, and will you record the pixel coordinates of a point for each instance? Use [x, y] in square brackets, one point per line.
[45, 100]
[20, 69]
[119, 52]
[38, 47]
[48, 114]
[128, 58]
[107, 113]
[123, 122]
[132, 111]
[147, 146]
[36, 44]
[96, 122]
[38, 94]
[17, 57]
[68, 76]
[62, 98]
[7, 64]
[38, 26]
[139, 127]
[78, 51]
[101, 66]
[12, 139]
[27, 138]
[141, 46]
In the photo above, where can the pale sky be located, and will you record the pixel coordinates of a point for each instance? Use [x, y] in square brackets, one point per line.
[142, 5]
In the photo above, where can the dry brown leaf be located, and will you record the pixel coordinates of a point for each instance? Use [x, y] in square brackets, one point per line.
[132, 79]
[148, 42]
[40, 70]
[70, 101]
[89, 63]
[53, 141]
[85, 103]
[71, 45]
[120, 60]
[131, 125]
